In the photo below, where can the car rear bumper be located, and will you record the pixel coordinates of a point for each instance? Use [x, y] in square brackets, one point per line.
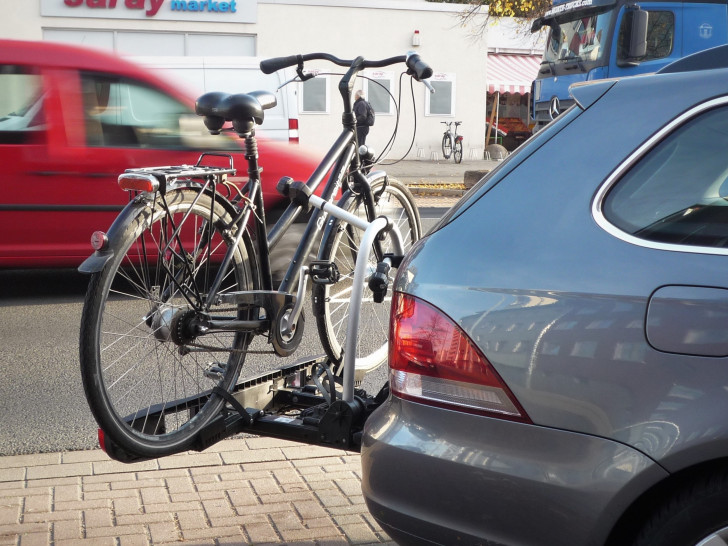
[449, 478]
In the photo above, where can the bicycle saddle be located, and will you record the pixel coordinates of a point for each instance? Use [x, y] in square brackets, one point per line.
[244, 110]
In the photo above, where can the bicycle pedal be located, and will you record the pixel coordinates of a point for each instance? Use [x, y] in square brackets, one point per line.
[324, 272]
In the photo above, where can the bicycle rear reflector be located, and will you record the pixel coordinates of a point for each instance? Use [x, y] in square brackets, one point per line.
[138, 182]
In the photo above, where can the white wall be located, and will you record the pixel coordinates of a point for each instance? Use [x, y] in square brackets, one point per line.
[379, 32]
[372, 28]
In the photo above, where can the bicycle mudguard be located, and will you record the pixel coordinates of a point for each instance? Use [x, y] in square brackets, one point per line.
[115, 235]
[97, 260]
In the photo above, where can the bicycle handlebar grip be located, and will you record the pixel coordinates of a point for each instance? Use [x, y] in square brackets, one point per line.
[268, 66]
[420, 68]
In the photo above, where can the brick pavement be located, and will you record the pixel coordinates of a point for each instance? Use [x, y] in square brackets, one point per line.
[247, 490]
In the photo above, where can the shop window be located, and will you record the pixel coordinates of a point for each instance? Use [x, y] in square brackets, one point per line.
[678, 193]
[315, 98]
[22, 118]
[442, 102]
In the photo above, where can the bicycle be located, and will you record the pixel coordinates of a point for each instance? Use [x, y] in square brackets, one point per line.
[452, 143]
[181, 282]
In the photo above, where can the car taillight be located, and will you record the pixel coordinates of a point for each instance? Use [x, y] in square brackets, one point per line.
[432, 361]
[293, 130]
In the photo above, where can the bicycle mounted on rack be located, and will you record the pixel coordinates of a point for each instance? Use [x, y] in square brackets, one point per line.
[183, 276]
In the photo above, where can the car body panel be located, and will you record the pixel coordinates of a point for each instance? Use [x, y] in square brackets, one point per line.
[506, 464]
[57, 189]
[586, 328]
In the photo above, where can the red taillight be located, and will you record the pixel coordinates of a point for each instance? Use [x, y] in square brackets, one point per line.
[138, 182]
[101, 440]
[432, 361]
[293, 130]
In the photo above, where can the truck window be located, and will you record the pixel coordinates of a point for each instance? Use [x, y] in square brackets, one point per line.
[22, 119]
[124, 113]
[660, 36]
[678, 192]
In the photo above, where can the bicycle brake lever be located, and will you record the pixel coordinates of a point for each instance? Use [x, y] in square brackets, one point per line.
[429, 86]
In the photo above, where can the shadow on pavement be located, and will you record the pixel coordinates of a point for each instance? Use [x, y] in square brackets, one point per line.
[42, 284]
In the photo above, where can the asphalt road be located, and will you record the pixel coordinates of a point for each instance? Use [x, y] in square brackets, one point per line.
[42, 403]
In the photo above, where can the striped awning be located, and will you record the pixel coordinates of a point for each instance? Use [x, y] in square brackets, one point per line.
[511, 73]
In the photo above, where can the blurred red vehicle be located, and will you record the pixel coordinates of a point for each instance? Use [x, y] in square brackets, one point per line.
[73, 119]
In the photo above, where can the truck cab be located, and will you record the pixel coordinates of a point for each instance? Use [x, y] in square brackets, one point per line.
[598, 39]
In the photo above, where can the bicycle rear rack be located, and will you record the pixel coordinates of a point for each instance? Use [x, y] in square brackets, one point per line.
[293, 402]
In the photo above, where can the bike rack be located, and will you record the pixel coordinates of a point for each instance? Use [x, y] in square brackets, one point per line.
[289, 402]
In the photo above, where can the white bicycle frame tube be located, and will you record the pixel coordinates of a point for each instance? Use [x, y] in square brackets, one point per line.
[371, 231]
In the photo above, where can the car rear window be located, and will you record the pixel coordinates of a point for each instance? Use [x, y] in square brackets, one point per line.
[22, 118]
[678, 192]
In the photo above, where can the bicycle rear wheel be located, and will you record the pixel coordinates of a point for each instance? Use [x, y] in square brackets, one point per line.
[446, 145]
[147, 363]
[331, 302]
[458, 151]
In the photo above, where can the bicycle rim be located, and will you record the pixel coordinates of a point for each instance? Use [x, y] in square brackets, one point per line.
[331, 302]
[147, 375]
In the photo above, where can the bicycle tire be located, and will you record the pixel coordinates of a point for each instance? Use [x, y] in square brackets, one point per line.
[458, 151]
[446, 145]
[137, 352]
[331, 302]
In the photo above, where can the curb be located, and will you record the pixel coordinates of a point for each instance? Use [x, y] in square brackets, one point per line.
[436, 192]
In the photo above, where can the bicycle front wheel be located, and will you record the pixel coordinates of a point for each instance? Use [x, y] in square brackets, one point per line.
[149, 358]
[446, 146]
[458, 151]
[340, 246]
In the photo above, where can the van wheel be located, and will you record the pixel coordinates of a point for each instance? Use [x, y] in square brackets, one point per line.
[695, 515]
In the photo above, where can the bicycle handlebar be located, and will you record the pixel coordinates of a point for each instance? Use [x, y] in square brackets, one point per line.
[416, 66]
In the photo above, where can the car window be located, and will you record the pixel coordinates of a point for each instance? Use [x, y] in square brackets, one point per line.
[678, 192]
[124, 113]
[22, 118]
[660, 36]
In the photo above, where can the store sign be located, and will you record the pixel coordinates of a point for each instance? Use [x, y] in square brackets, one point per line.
[237, 11]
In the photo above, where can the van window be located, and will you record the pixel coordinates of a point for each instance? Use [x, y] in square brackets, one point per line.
[22, 119]
[124, 113]
[678, 192]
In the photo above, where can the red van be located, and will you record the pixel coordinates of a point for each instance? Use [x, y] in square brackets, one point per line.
[73, 119]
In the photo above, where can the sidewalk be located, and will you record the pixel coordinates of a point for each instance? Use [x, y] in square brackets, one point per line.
[249, 490]
[436, 183]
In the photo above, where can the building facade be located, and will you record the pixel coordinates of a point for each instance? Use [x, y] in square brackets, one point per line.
[270, 28]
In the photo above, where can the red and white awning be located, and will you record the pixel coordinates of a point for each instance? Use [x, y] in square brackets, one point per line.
[511, 73]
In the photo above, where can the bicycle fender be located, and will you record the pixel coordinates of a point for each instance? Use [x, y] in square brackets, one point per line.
[97, 260]
[115, 235]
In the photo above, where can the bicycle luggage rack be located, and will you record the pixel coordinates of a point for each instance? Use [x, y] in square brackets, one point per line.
[291, 402]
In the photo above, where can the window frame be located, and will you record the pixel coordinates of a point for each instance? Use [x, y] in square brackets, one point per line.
[437, 78]
[629, 163]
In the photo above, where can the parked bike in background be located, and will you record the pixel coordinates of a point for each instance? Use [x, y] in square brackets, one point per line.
[452, 143]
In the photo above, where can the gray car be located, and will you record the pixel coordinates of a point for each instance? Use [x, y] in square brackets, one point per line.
[559, 342]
